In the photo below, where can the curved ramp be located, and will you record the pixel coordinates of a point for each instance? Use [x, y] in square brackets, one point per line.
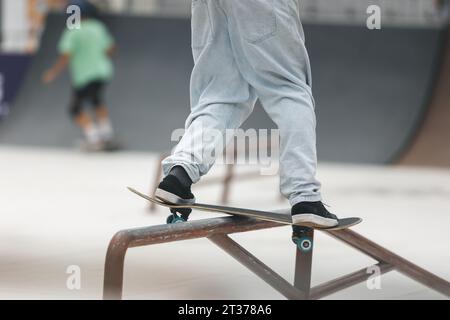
[371, 88]
[431, 147]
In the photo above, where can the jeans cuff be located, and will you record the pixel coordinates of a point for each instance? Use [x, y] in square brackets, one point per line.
[303, 198]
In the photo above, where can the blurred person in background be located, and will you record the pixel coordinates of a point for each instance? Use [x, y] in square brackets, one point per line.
[88, 52]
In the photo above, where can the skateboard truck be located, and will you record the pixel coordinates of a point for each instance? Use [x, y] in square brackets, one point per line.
[300, 238]
[178, 215]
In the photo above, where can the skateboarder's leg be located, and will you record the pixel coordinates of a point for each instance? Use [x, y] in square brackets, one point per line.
[103, 121]
[82, 118]
[269, 47]
[271, 54]
[221, 99]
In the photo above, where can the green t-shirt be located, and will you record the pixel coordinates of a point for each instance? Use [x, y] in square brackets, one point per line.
[87, 47]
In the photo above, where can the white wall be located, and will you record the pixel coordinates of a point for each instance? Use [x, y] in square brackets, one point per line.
[14, 25]
[394, 12]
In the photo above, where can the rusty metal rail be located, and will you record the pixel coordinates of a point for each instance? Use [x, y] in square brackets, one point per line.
[217, 231]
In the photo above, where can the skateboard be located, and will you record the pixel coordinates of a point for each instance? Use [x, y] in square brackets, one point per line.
[111, 146]
[257, 214]
[108, 146]
[300, 238]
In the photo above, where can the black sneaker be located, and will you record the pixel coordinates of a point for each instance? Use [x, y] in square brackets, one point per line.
[313, 214]
[172, 191]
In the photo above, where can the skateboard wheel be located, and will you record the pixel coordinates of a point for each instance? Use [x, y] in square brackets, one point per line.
[178, 220]
[304, 244]
[174, 219]
[170, 219]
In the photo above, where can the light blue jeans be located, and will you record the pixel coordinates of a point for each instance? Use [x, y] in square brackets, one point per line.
[244, 50]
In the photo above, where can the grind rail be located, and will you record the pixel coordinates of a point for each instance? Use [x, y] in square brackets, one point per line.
[217, 231]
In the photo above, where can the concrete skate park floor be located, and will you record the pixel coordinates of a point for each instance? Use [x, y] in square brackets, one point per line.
[61, 208]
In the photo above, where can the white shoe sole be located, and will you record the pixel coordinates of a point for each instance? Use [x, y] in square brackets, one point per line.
[313, 220]
[171, 198]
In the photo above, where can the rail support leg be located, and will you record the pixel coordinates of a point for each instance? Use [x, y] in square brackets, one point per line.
[402, 265]
[114, 266]
[303, 264]
[227, 183]
[257, 267]
[346, 281]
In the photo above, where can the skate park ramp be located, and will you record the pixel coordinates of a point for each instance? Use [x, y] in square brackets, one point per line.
[371, 88]
[431, 146]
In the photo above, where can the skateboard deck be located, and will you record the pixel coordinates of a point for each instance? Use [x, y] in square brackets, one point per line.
[109, 146]
[257, 214]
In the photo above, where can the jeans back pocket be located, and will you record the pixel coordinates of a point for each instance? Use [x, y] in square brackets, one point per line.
[257, 19]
